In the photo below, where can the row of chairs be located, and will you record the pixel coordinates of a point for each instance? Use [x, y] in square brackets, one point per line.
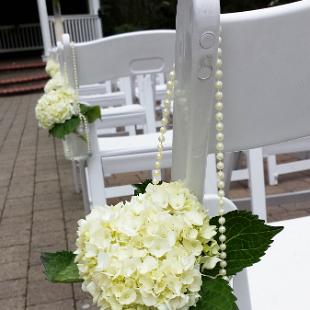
[138, 76]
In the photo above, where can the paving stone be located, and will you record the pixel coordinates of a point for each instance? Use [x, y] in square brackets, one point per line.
[21, 188]
[14, 254]
[10, 223]
[15, 270]
[43, 292]
[47, 239]
[46, 175]
[15, 238]
[18, 207]
[12, 288]
[12, 304]
[35, 274]
[60, 305]
[47, 215]
[52, 203]
[47, 226]
[48, 187]
[35, 253]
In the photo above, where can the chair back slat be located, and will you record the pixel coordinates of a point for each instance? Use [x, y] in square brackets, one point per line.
[124, 55]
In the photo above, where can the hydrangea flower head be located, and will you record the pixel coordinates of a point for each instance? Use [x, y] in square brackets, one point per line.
[147, 253]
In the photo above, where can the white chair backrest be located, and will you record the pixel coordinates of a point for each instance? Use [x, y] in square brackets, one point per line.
[122, 55]
[266, 64]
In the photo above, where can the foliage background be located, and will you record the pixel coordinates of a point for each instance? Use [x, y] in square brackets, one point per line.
[130, 15]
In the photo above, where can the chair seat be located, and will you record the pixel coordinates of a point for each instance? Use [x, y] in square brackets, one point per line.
[281, 280]
[133, 153]
[105, 100]
[129, 145]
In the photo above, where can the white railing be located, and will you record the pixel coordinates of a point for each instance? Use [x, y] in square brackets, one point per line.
[81, 28]
[20, 38]
[24, 37]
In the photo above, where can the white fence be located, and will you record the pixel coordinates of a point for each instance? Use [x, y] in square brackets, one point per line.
[28, 36]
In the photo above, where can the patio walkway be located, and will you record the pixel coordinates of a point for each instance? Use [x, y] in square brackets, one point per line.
[39, 209]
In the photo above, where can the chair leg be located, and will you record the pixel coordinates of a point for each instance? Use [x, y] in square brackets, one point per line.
[257, 182]
[231, 162]
[241, 285]
[86, 201]
[211, 177]
[76, 181]
[272, 170]
[242, 291]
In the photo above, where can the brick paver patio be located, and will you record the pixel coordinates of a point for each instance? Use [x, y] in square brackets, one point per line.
[39, 210]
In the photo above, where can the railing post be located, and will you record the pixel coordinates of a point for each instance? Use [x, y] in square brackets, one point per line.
[46, 36]
[94, 6]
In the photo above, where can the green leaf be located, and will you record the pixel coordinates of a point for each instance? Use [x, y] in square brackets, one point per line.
[92, 113]
[248, 238]
[216, 294]
[60, 267]
[61, 130]
[141, 188]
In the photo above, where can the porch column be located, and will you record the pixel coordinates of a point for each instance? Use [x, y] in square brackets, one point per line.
[94, 6]
[46, 36]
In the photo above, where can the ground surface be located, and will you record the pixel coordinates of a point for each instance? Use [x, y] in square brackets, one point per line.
[39, 209]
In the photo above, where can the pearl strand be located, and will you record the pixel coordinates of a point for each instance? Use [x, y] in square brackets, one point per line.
[76, 103]
[220, 158]
[163, 129]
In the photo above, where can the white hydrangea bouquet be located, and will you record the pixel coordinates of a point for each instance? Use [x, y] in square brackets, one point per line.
[160, 250]
[59, 111]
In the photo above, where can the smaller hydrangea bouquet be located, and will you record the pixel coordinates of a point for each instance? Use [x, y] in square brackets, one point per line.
[160, 250]
[59, 111]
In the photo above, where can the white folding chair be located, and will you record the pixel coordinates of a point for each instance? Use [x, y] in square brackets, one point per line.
[265, 70]
[147, 52]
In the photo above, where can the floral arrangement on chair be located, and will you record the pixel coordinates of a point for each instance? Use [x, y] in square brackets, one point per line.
[161, 250]
[59, 111]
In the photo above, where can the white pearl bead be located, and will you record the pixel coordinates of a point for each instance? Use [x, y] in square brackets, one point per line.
[166, 102]
[220, 156]
[219, 126]
[172, 75]
[225, 278]
[157, 164]
[220, 40]
[221, 175]
[156, 172]
[219, 106]
[219, 52]
[218, 74]
[223, 246]
[162, 130]
[218, 95]
[219, 63]
[160, 147]
[220, 165]
[222, 238]
[222, 229]
[222, 220]
[220, 146]
[220, 184]
[164, 121]
[219, 136]
[219, 84]
[219, 116]
[221, 212]
[223, 255]
[170, 85]
[161, 138]
[223, 264]
[221, 193]
[159, 156]
[223, 272]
